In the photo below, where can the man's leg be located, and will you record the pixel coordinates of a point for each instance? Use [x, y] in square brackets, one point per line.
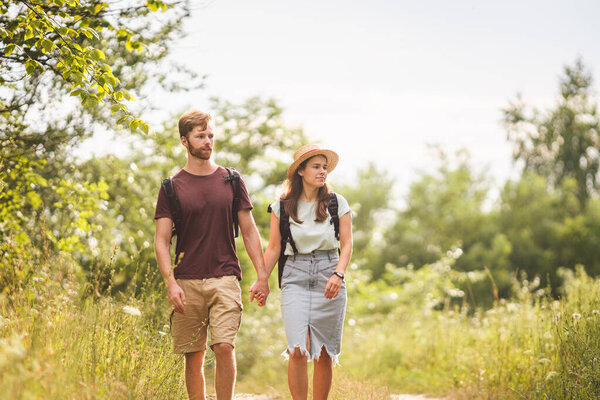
[322, 376]
[225, 319]
[194, 375]
[225, 371]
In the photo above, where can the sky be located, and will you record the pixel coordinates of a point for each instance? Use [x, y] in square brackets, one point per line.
[381, 80]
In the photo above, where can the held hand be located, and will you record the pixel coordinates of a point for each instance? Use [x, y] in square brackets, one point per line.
[260, 291]
[176, 297]
[333, 287]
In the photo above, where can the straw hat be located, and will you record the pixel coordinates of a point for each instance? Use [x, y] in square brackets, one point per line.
[310, 150]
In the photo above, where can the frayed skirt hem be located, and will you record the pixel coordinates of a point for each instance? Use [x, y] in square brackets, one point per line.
[334, 357]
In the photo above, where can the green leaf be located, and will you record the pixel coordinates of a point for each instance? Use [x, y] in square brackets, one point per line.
[97, 54]
[127, 95]
[115, 107]
[85, 32]
[30, 66]
[144, 127]
[9, 49]
[48, 45]
[28, 33]
[133, 124]
[152, 5]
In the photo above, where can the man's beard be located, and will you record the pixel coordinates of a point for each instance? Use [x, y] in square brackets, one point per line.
[200, 153]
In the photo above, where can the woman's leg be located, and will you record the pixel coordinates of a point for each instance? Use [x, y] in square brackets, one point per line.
[322, 376]
[298, 375]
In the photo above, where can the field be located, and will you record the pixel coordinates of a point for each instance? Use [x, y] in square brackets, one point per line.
[68, 336]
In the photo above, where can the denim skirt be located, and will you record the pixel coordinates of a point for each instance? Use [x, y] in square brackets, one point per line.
[305, 308]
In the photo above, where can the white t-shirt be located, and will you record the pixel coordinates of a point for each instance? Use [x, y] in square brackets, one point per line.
[312, 235]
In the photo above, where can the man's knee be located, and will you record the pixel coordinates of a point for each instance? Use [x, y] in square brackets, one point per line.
[222, 349]
[195, 360]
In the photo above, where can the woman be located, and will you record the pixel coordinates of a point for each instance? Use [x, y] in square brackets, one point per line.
[313, 293]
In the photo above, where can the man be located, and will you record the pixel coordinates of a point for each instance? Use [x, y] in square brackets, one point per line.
[203, 286]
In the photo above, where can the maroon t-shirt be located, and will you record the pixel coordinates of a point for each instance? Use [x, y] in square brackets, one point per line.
[206, 238]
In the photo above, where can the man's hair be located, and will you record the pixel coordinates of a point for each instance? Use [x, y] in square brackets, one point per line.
[191, 119]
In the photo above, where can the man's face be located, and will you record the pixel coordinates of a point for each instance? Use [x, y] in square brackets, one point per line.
[200, 142]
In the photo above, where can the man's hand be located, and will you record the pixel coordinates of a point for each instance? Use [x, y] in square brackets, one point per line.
[260, 291]
[176, 297]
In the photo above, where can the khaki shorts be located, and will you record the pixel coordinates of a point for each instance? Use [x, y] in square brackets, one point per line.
[214, 303]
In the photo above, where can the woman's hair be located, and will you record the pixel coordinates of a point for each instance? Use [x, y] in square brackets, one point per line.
[294, 190]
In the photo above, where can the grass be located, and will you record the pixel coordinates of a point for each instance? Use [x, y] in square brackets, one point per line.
[63, 336]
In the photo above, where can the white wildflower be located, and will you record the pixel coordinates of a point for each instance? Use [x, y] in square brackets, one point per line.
[351, 322]
[576, 316]
[162, 333]
[556, 317]
[132, 311]
[595, 312]
[551, 375]
[544, 361]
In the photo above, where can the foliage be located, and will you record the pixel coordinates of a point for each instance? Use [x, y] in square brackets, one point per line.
[370, 197]
[562, 142]
[68, 41]
[527, 347]
[50, 51]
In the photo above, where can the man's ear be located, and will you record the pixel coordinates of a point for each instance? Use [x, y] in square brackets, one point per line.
[184, 141]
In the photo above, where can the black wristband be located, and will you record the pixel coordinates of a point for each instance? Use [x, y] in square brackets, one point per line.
[338, 274]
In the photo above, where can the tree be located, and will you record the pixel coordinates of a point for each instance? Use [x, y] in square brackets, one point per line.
[563, 142]
[370, 197]
[52, 52]
[443, 210]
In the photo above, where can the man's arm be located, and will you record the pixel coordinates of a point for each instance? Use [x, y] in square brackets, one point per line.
[253, 246]
[162, 242]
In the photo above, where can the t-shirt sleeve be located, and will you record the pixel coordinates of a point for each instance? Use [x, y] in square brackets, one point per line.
[245, 203]
[162, 206]
[343, 206]
[275, 208]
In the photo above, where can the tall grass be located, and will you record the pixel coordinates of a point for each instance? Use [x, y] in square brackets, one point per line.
[63, 335]
[530, 347]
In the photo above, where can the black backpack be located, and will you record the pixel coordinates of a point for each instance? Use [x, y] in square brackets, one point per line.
[286, 234]
[232, 177]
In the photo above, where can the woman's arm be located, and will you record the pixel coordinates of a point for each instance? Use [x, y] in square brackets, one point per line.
[274, 247]
[335, 282]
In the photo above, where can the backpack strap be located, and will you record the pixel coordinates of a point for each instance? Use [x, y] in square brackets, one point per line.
[286, 237]
[284, 228]
[233, 177]
[333, 212]
[175, 208]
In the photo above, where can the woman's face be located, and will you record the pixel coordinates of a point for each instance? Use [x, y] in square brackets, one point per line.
[314, 172]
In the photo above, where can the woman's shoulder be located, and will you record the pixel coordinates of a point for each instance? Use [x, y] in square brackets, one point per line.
[343, 206]
[340, 198]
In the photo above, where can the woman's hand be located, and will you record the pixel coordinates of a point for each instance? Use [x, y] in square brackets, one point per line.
[333, 287]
